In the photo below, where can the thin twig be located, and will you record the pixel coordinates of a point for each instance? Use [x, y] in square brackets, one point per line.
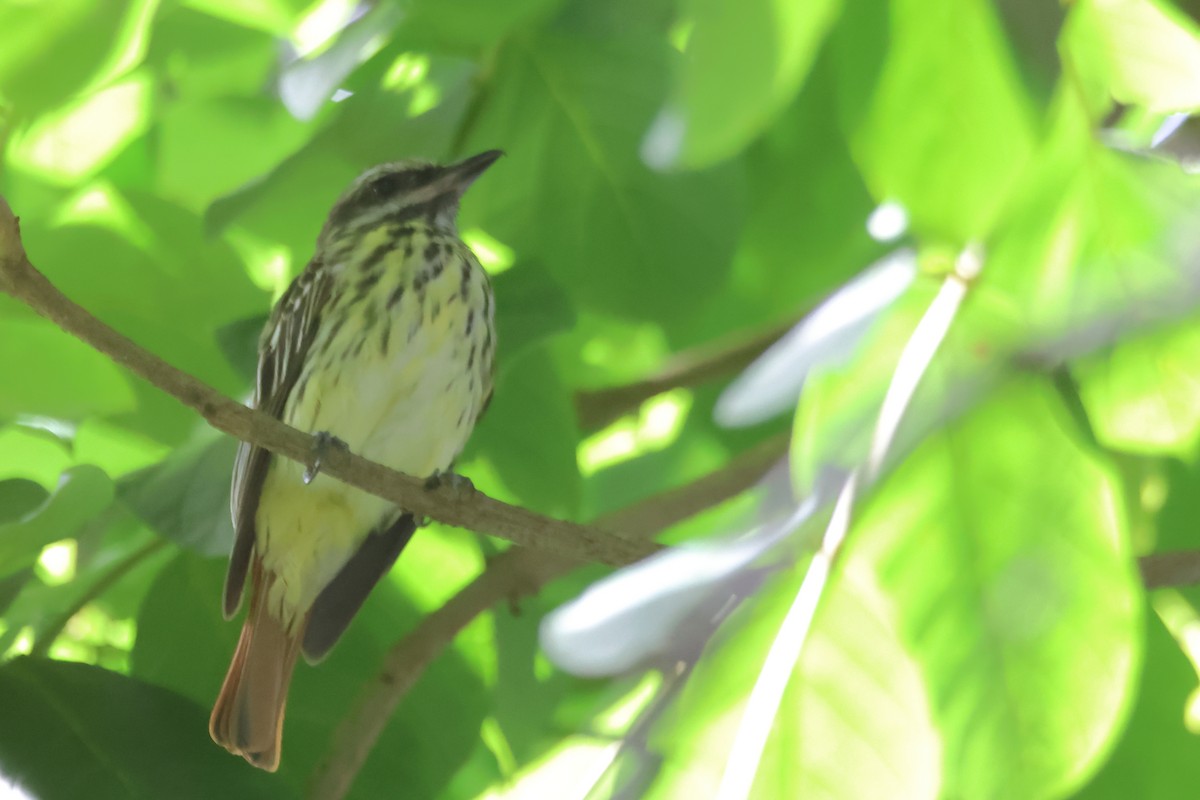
[116, 572]
[595, 408]
[514, 573]
[1176, 568]
[448, 504]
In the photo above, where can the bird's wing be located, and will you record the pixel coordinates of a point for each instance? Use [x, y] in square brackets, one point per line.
[341, 598]
[282, 351]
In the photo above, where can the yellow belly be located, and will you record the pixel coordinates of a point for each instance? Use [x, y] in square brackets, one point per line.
[406, 396]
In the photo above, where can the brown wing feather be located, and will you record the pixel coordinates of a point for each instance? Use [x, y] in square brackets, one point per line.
[282, 351]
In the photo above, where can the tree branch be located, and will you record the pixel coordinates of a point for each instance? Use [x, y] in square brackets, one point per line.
[447, 504]
[595, 408]
[514, 573]
[1176, 568]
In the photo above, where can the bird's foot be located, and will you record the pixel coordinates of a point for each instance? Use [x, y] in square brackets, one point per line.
[459, 484]
[324, 443]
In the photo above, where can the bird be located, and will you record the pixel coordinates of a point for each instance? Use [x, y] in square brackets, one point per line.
[383, 344]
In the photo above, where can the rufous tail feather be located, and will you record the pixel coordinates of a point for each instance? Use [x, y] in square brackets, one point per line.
[247, 719]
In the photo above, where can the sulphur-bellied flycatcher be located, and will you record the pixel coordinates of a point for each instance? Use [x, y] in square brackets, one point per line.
[384, 342]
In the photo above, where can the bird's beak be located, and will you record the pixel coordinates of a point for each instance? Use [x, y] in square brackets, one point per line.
[460, 176]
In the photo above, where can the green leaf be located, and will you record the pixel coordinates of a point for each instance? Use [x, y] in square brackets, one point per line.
[49, 57]
[73, 730]
[529, 435]
[19, 497]
[1152, 760]
[186, 497]
[62, 376]
[32, 453]
[949, 127]
[530, 306]
[855, 696]
[1141, 396]
[1012, 579]
[206, 57]
[82, 492]
[573, 194]
[187, 285]
[210, 147]
[273, 16]
[460, 24]
[1148, 52]
[744, 62]
[238, 341]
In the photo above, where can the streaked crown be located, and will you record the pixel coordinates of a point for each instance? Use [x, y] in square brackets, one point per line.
[400, 191]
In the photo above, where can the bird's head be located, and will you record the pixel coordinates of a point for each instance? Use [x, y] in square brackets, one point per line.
[400, 191]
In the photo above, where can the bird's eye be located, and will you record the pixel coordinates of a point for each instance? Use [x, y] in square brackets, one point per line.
[392, 183]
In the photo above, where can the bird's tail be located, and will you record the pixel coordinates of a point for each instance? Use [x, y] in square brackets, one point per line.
[247, 719]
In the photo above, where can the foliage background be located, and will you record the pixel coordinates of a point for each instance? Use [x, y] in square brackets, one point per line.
[679, 174]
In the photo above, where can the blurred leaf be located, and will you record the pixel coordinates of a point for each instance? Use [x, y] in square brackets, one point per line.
[828, 335]
[82, 492]
[569, 111]
[798, 244]
[186, 497]
[1152, 758]
[1148, 51]
[64, 377]
[272, 16]
[186, 286]
[19, 497]
[115, 449]
[1141, 397]
[744, 62]
[201, 56]
[530, 306]
[463, 24]
[949, 127]
[74, 730]
[49, 57]
[74, 142]
[529, 434]
[238, 341]
[855, 696]
[1008, 576]
[211, 147]
[525, 702]
[309, 83]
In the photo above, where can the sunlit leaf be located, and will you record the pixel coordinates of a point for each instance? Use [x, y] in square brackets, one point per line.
[78, 140]
[1144, 396]
[949, 128]
[82, 493]
[1006, 575]
[1149, 49]
[33, 454]
[1149, 759]
[48, 57]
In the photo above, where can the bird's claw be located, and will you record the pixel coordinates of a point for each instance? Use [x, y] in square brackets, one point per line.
[459, 484]
[323, 443]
